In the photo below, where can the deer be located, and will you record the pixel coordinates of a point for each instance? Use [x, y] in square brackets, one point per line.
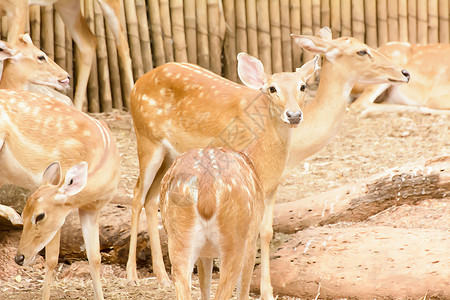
[69, 160]
[158, 102]
[212, 199]
[429, 85]
[70, 11]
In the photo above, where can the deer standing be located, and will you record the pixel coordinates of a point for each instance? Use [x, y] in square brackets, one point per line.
[175, 109]
[70, 12]
[73, 162]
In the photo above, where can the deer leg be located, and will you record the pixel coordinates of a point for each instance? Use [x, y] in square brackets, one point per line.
[17, 20]
[51, 260]
[247, 271]
[205, 266]
[10, 214]
[368, 97]
[266, 232]
[230, 269]
[89, 227]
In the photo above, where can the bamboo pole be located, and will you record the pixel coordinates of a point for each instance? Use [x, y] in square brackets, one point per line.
[166, 27]
[215, 50]
[114, 70]
[275, 34]
[295, 29]
[370, 9]
[433, 23]
[202, 33]
[35, 25]
[422, 21]
[346, 17]
[102, 61]
[285, 23]
[306, 17]
[443, 22]
[4, 29]
[252, 28]
[179, 38]
[403, 20]
[241, 27]
[133, 39]
[412, 22]
[47, 40]
[60, 41]
[335, 8]
[382, 22]
[393, 20]
[92, 89]
[190, 28]
[316, 15]
[69, 60]
[146, 52]
[325, 10]
[230, 64]
[156, 32]
[358, 20]
[264, 43]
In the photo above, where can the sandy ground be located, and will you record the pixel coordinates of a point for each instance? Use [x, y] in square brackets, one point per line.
[364, 146]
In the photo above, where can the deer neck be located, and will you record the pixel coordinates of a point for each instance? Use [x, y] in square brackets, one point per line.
[324, 115]
[10, 78]
[270, 150]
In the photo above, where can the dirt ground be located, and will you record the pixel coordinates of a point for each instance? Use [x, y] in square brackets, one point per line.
[363, 147]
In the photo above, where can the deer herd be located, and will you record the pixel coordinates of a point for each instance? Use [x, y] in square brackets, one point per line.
[215, 192]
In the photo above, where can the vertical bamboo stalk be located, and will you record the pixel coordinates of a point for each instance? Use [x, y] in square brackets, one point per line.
[252, 28]
[370, 10]
[179, 38]
[60, 41]
[403, 20]
[156, 32]
[35, 25]
[412, 22]
[382, 22]
[285, 23]
[69, 60]
[306, 17]
[102, 61]
[358, 20]
[346, 18]
[433, 23]
[4, 29]
[316, 15]
[92, 89]
[166, 29]
[325, 11]
[422, 21]
[264, 43]
[202, 33]
[47, 41]
[146, 52]
[230, 64]
[133, 39]
[241, 27]
[191, 33]
[443, 22]
[114, 70]
[336, 28]
[215, 51]
[295, 29]
[393, 20]
[275, 34]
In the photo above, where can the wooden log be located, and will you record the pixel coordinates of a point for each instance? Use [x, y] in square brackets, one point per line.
[156, 33]
[230, 55]
[166, 29]
[433, 22]
[241, 27]
[346, 18]
[393, 20]
[336, 28]
[114, 74]
[179, 38]
[264, 43]
[202, 33]
[275, 34]
[215, 49]
[382, 25]
[144, 35]
[133, 39]
[325, 13]
[47, 39]
[403, 20]
[92, 88]
[190, 28]
[295, 29]
[358, 28]
[285, 22]
[412, 22]
[307, 23]
[444, 34]
[252, 28]
[422, 21]
[370, 10]
[357, 202]
[104, 84]
[60, 41]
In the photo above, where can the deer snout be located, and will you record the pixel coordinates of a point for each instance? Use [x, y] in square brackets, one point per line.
[19, 259]
[406, 74]
[294, 117]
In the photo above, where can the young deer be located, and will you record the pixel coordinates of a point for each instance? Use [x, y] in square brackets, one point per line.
[42, 138]
[212, 200]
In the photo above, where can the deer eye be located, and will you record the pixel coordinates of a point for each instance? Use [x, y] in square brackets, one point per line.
[303, 87]
[272, 89]
[41, 57]
[40, 217]
[362, 52]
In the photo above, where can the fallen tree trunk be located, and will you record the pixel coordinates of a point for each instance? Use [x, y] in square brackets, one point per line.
[357, 202]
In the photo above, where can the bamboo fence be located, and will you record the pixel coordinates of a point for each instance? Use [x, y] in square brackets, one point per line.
[211, 33]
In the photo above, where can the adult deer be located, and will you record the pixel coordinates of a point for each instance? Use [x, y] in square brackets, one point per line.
[70, 12]
[212, 200]
[43, 138]
[158, 104]
[430, 81]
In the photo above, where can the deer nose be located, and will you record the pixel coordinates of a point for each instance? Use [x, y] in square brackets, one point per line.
[294, 117]
[406, 74]
[19, 259]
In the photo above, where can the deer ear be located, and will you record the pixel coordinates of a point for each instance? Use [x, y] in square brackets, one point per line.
[52, 175]
[76, 179]
[6, 51]
[313, 44]
[325, 33]
[251, 71]
[310, 67]
[25, 38]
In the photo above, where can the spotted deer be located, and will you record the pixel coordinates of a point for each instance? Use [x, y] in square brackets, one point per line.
[70, 161]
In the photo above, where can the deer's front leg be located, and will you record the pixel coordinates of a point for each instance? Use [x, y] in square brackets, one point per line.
[51, 260]
[266, 233]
